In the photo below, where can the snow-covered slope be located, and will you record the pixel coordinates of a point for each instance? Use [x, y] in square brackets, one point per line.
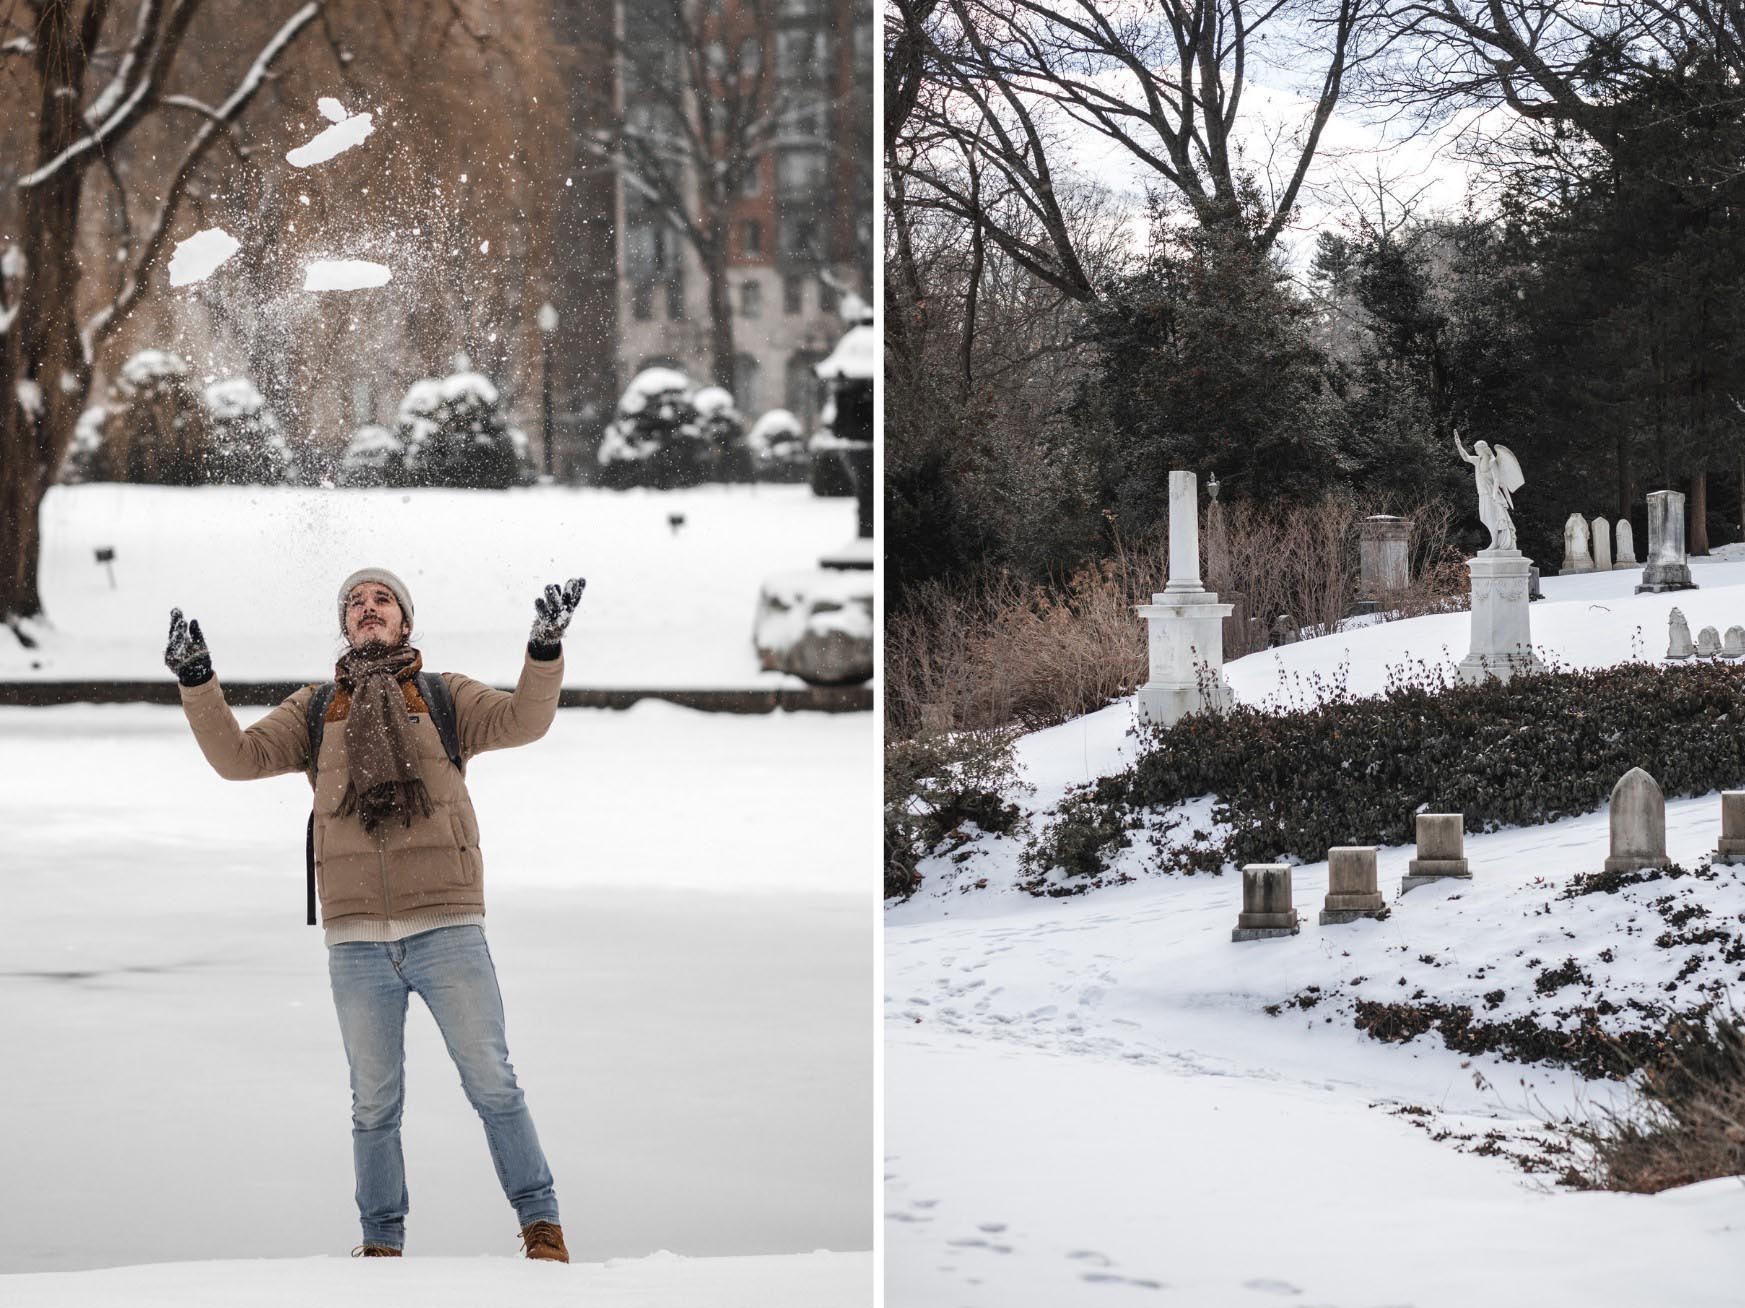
[1104, 1096]
[259, 566]
[820, 1280]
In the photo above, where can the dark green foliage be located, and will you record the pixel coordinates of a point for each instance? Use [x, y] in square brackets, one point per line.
[936, 785]
[1353, 771]
[1202, 359]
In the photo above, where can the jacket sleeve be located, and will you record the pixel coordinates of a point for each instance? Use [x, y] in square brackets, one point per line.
[277, 744]
[492, 719]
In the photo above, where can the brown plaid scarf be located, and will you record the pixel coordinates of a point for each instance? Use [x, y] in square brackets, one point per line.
[384, 764]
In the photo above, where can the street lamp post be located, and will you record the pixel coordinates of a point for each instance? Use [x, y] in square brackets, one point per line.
[547, 328]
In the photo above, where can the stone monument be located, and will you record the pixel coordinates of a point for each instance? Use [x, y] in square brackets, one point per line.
[1626, 545]
[1266, 903]
[1602, 545]
[1668, 568]
[1351, 888]
[1678, 644]
[1734, 643]
[1731, 849]
[1441, 851]
[1575, 555]
[1185, 623]
[1383, 555]
[1708, 643]
[1502, 641]
[1638, 821]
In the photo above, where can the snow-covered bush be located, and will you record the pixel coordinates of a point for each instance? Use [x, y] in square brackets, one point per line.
[777, 443]
[656, 438]
[937, 783]
[456, 434]
[151, 428]
[724, 431]
[373, 456]
[244, 443]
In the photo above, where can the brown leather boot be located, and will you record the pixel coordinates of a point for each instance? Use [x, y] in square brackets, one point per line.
[375, 1251]
[545, 1240]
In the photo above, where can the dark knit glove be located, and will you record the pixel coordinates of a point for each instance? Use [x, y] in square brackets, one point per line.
[554, 610]
[186, 655]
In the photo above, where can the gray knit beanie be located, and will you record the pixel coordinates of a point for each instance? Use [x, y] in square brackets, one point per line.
[387, 579]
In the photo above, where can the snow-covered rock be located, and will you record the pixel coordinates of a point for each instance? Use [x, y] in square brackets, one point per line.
[817, 625]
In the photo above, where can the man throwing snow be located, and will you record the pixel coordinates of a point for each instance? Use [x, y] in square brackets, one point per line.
[394, 852]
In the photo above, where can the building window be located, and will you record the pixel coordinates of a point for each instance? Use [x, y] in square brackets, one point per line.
[675, 298]
[750, 300]
[793, 293]
[828, 299]
[751, 238]
[751, 181]
[642, 300]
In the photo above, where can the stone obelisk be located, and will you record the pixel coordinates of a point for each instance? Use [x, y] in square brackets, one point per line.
[1185, 623]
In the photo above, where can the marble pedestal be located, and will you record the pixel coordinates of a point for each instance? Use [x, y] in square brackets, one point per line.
[1186, 637]
[1441, 851]
[1502, 639]
[1266, 903]
[1731, 848]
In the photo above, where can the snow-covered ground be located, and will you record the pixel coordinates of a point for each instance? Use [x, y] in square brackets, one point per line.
[667, 606]
[681, 907]
[1088, 1099]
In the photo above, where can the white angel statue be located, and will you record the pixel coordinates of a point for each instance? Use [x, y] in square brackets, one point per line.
[1498, 476]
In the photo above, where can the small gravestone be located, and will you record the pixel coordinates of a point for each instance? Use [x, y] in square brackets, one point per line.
[1441, 850]
[1284, 630]
[1678, 644]
[1733, 645]
[1626, 545]
[1668, 568]
[1638, 822]
[1575, 555]
[1266, 903]
[1708, 643]
[1384, 560]
[1602, 545]
[1351, 887]
[1731, 849]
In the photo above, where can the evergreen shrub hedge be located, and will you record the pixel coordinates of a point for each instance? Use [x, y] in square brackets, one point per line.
[1355, 771]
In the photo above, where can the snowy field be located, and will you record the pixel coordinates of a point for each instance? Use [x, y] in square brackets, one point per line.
[682, 914]
[1088, 1101]
[260, 566]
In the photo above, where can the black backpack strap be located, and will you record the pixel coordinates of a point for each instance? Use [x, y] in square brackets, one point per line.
[317, 718]
[441, 702]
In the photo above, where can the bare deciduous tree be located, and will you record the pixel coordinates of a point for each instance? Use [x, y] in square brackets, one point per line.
[46, 352]
[1164, 84]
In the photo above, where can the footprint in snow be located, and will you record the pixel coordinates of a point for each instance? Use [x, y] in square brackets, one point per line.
[1090, 1256]
[992, 1228]
[1265, 1285]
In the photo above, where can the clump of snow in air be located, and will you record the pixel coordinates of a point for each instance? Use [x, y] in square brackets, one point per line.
[337, 139]
[345, 275]
[484, 247]
[29, 396]
[201, 255]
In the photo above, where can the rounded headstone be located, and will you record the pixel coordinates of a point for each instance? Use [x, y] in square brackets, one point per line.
[1638, 823]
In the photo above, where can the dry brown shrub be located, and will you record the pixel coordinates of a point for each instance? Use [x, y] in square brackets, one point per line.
[998, 651]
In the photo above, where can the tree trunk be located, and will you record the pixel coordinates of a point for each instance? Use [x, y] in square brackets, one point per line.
[41, 352]
[1697, 538]
[720, 316]
[1626, 478]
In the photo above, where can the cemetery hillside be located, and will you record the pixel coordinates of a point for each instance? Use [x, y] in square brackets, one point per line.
[1420, 1020]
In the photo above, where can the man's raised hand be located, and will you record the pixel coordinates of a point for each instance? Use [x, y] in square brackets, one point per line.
[554, 611]
[186, 654]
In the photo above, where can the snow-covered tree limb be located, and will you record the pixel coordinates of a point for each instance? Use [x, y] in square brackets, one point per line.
[216, 122]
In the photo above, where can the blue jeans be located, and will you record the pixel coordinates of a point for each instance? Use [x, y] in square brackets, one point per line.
[451, 970]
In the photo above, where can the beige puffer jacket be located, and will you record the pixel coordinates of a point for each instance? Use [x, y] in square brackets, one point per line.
[435, 863]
